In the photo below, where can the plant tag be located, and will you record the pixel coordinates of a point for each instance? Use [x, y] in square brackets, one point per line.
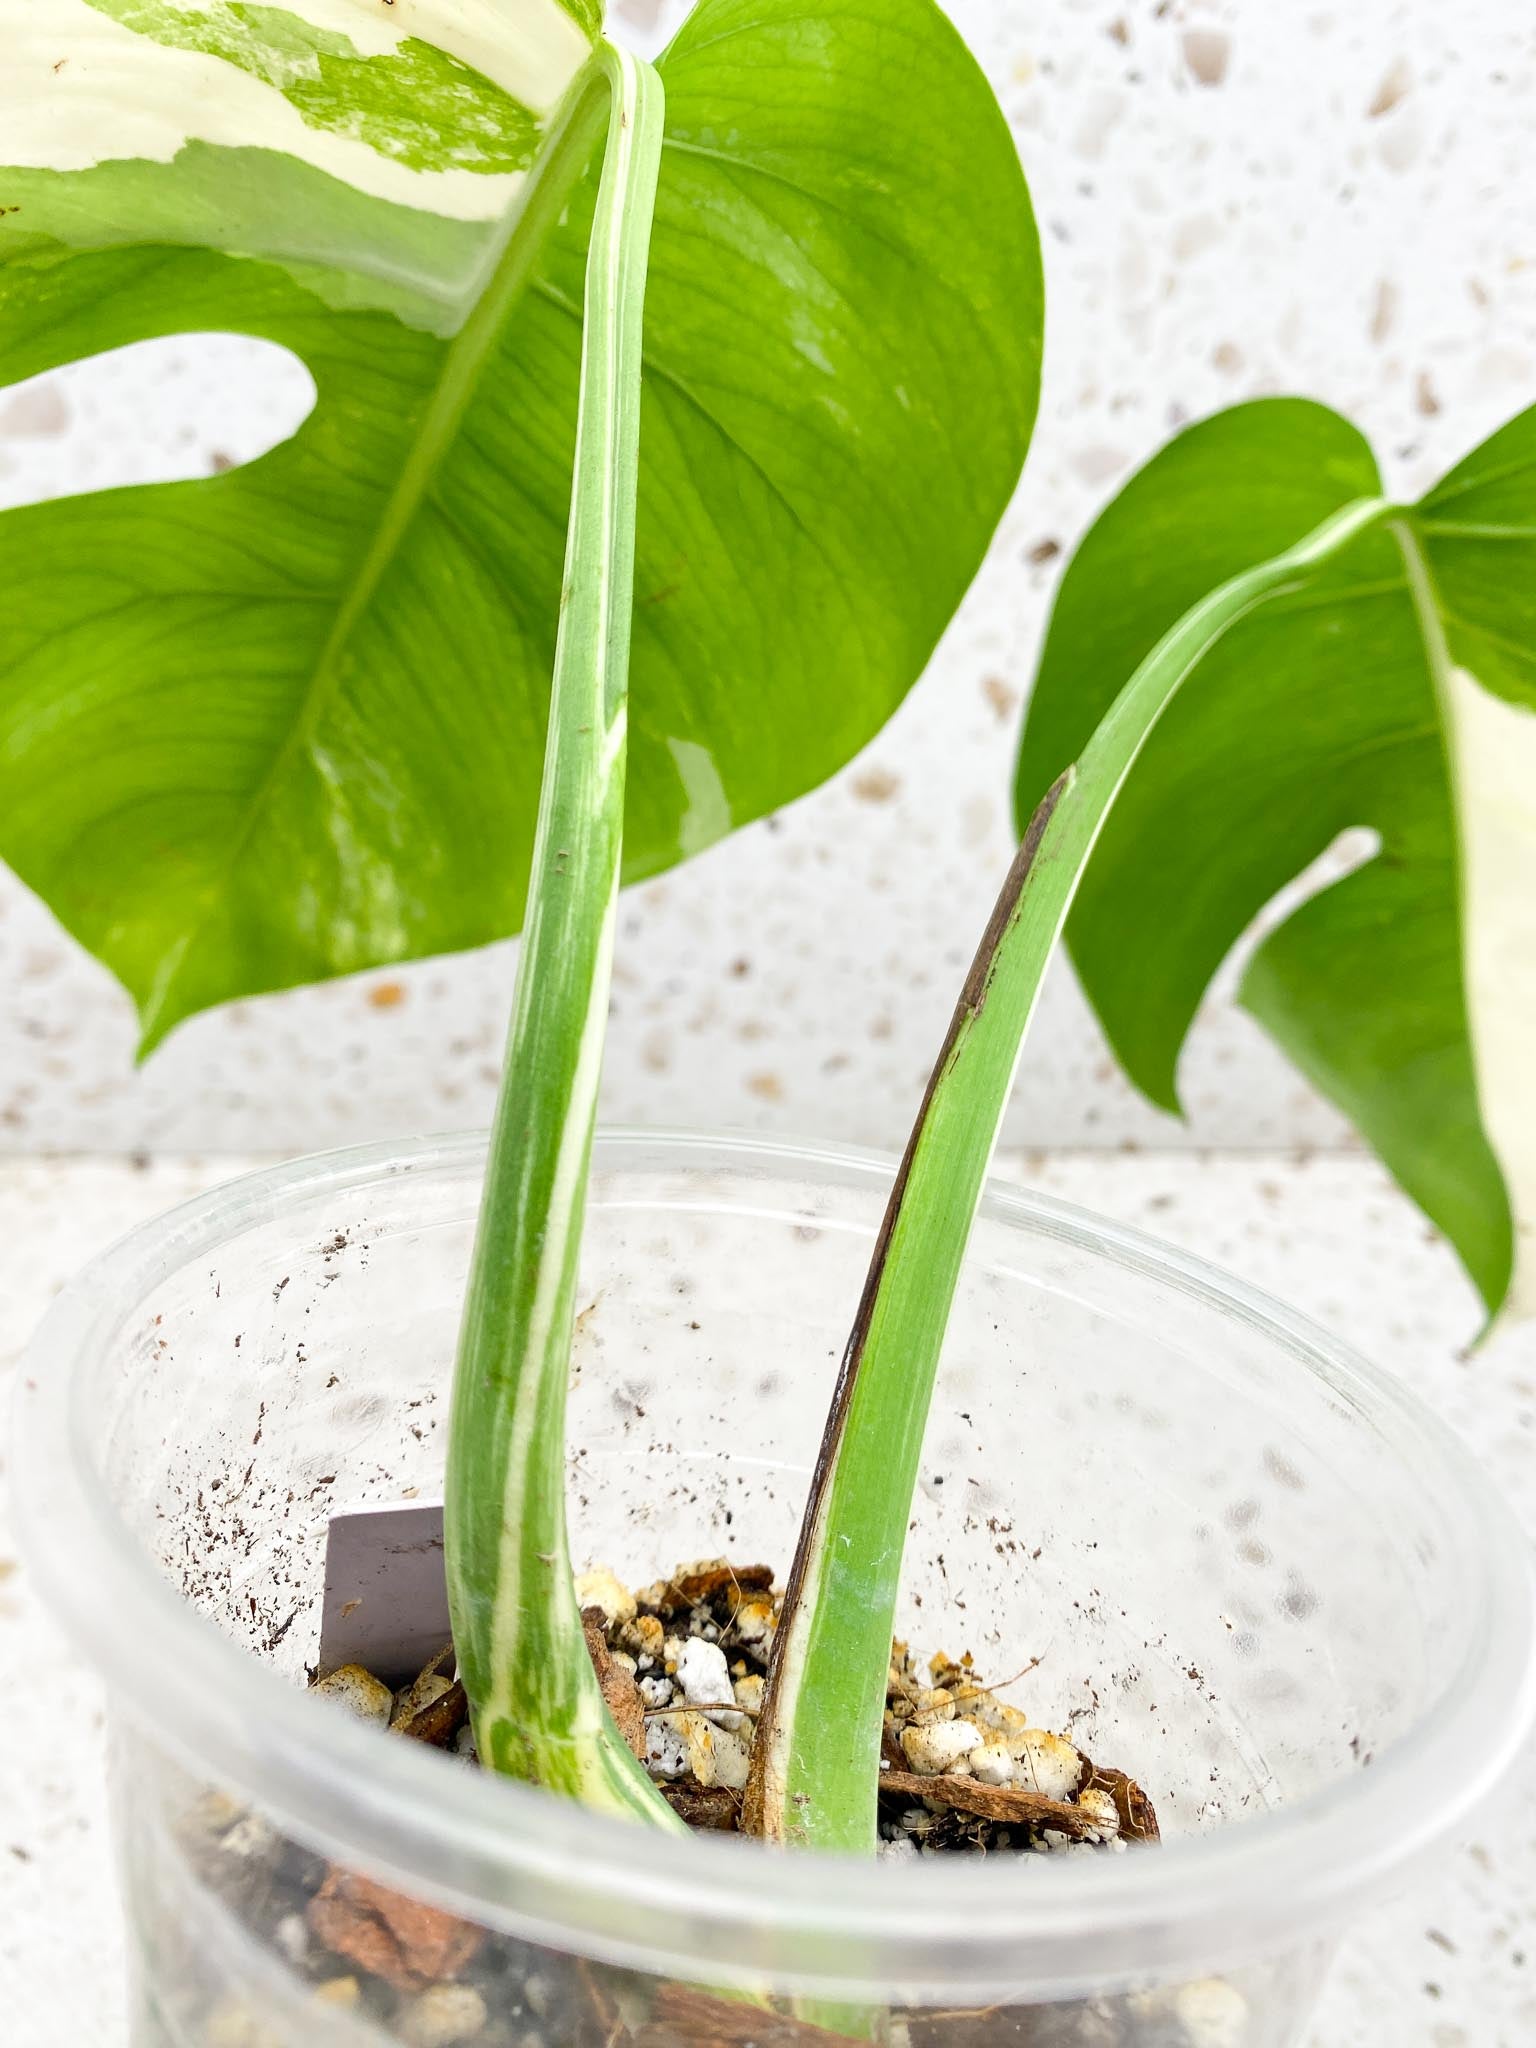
[386, 1592]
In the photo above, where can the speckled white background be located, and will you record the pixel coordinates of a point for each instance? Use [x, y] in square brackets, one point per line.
[1236, 198]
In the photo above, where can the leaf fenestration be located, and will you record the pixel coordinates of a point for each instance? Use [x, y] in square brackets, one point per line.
[1395, 989]
[286, 723]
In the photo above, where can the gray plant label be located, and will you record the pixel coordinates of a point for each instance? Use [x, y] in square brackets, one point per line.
[386, 1597]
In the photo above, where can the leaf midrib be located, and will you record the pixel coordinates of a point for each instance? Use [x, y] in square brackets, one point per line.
[430, 447]
[413, 489]
[463, 364]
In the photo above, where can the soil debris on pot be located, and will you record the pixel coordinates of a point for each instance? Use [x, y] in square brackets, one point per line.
[963, 1771]
[683, 1666]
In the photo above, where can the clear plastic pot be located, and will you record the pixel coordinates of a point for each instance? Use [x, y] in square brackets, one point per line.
[1251, 1570]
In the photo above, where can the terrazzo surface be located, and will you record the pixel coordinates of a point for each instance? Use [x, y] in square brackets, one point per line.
[1235, 199]
[1451, 1965]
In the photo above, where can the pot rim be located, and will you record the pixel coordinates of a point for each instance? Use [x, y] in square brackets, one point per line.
[713, 1908]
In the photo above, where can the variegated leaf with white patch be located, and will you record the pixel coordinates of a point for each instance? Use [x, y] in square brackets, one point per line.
[287, 723]
[335, 132]
[291, 721]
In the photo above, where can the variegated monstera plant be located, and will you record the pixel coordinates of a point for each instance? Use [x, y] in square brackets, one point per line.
[369, 697]
[661, 419]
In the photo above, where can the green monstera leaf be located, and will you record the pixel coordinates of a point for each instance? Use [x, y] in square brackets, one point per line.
[1392, 688]
[287, 723]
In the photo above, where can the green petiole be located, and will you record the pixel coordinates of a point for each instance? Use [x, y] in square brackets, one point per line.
[538, 1712]
[817, 1757]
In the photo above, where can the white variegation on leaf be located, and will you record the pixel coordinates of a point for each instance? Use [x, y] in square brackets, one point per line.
[336, 658]
[437, 105]
[1493, 755]
[334, 661]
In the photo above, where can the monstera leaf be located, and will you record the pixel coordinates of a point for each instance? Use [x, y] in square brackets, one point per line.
[1392, 688]
[287, 722]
